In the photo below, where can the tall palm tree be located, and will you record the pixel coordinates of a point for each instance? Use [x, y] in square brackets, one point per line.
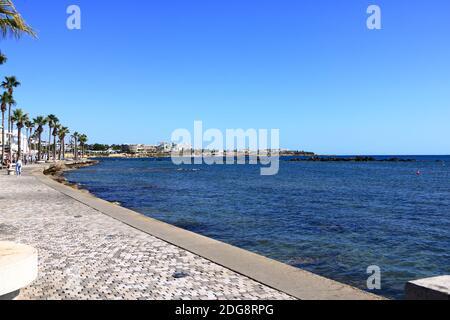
[75, 137]
[10, 83]
[5, 100]
[29, 125]
[19, 118]
[83, 140]
[56, 127]
[40, 122]
[52, 121]
[11, 22]
[62, 132]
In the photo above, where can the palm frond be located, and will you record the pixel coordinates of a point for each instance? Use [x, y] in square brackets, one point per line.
[11, 22]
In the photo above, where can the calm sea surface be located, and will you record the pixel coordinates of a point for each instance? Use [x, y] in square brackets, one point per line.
[334, 219]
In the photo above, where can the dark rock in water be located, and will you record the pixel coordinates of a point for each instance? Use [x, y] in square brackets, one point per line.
[398, 160]
[335, 159]
[365, 159]
[180, 275]
[301, 261]
[348, 159]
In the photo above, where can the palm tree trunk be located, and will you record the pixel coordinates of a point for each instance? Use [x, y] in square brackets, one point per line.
[9, 132]
[54, 148]
[39, 147]
[29, 142]
[76, 150]
[60, 149]
[3, 138]
[64, 149]
[19, 143]
[49, 141]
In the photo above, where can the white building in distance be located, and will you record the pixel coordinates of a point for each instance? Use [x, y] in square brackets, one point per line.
[14, 143]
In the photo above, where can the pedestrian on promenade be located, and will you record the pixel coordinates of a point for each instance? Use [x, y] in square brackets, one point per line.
[19, 168]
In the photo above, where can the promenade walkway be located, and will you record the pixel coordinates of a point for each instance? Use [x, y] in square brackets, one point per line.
[84, 254]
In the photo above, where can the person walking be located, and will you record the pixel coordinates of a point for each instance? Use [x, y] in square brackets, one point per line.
[19, 168]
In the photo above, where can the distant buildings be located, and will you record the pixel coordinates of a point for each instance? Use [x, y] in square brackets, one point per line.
[163, 147]
[138, 148]
[167, 148]
[14, 142]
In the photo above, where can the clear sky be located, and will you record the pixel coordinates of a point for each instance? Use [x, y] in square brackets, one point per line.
[137, 70]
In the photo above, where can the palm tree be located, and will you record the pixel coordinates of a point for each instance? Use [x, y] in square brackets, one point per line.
[52, 121]
[19, 117]
[56, 127]
[3, 58]
[40, 122]
[83, 140]
[75, 137]
[11, 22]
[62, 132]
[5, 100]
[10, 83]
[29, 125]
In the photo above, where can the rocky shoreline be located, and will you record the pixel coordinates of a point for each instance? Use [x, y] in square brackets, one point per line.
[56, 171]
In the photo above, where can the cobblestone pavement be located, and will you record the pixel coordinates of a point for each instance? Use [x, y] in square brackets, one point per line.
[84, 254]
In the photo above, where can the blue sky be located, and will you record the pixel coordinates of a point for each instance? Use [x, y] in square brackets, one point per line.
[312, 69]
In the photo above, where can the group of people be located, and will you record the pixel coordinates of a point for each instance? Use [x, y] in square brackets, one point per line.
[17, 166]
